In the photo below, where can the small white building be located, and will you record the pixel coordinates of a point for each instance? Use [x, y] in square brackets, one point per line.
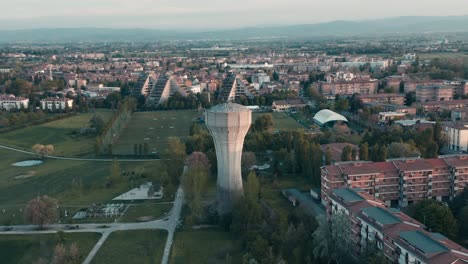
[55, 104]
[9, 102]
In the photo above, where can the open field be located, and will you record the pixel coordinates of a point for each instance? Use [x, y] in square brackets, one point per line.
[442, 55]
[63, 134]
[148, 210]
[281, 121]
[140, 246]
[154, 128]
[205, 246]
[17, 249]
[73, 183]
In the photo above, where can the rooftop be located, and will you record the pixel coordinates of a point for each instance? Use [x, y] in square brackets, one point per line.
[348, 195]
[422, 242]
[228, 108]
[380, 215]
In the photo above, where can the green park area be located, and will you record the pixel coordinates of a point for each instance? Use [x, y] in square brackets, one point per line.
[63, 134]
[281, 121]
[139, 246]
[153, 128]
[147, 211]
[206, 246]
[19, 249]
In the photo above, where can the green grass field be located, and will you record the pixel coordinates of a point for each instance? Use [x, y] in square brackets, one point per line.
[148, 210]
[73, 183]
[140, 246]
[154, 128]
[59, 133]
[442, 55]
[205, 246]
[17, 249]
[281, 121]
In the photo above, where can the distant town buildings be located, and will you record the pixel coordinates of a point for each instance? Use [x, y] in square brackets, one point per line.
[456, 135]
[233, 87]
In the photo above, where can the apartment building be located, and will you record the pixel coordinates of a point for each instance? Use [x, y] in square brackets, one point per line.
[56, 104]
[400, 238]
[425, 93]
[11, 102]
[437, 106]
[456, 135]
[400, 182]
[390, 98]
[343, 87]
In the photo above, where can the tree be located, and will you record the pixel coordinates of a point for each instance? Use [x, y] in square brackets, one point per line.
[263, 123]
[436, 217]
[60, 254]
[43, 151]
[41, 211]
[364, 151]
[176, 155]
[194, 182]
[462, 216]
[402, 150]
[248, 160]
[332, 239]
[346, 153]
[198, 159]
[97, 123]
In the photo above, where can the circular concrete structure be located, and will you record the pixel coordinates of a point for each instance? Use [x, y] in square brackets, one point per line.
[228, 124]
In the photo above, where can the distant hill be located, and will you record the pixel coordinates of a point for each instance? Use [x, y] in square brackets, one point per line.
[397, 25]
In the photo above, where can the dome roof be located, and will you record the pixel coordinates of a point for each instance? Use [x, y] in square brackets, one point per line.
[228, 108]
[324, 116]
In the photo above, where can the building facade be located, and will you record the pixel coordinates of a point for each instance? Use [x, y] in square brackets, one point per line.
[10, 102]
[456, 135]
[402, 181]
[56, 104]
[400, 238]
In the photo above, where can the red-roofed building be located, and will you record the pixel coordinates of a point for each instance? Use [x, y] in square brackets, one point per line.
[399, 237]
[400, 181]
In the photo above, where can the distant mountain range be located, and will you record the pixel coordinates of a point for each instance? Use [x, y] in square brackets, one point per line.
[397, 25]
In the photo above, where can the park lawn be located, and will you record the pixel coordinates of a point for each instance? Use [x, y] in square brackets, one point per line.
[148, 209]
[271, 192]
[17, 249]
[281, 121]
[63, 134]
[138, 246]
[154, 128]
[205, 246]
[78, 183]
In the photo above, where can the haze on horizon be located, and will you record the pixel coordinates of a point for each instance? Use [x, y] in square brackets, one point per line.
[210, 14]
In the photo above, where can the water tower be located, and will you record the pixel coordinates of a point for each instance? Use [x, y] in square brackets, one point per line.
[228, 124]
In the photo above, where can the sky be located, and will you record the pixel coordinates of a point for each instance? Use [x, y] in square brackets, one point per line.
[210, 14]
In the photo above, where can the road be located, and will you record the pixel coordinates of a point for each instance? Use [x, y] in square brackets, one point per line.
[77, 159]
[168, 223]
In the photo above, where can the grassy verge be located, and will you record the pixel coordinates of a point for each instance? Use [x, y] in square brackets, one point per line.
[205, 246]
[145, 212]
[17, 249]
[141, 246]
[281, 121]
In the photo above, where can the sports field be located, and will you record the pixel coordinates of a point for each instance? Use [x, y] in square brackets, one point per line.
[154, 128]
[281, 121]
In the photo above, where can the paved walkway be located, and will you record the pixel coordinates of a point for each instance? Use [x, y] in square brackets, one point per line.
[168, 223]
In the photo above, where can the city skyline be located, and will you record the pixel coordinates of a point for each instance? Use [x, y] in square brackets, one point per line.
[183, 14]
